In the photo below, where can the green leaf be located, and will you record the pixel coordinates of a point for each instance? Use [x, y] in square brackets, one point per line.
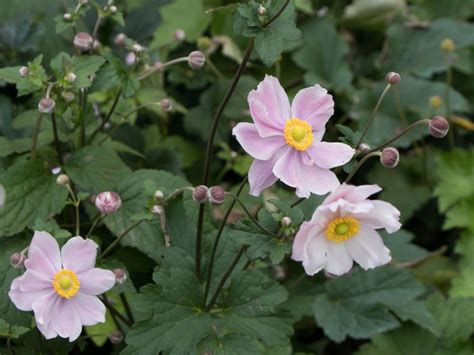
[52, 228]
[84, 66]
[431, 10]
[463, 283]
[372, 14]
[114, 75]
[96, 169]
[11, 331]
[33, 82]
[31, 193]
[401, 248]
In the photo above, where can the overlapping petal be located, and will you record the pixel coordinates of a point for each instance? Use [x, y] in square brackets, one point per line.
[313, 105]
[255, 145]
[79, 254]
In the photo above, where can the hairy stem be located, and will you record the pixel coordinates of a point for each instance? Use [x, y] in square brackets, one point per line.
[97, 220]
[164, 65]
[360, 163]
[126, 305]
[35, 135]
[115, 312]
[56, 138]
[116, 241]
[109, 115]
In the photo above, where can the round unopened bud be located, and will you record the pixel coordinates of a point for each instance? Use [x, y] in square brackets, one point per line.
[67, 17]
[24, 72]
[113, 9]
[46, 105]
[390, 157]
[83, 2]
[96, 45]
[436, 101]
[83, 42]
[364, 148]
[70, 77]
[393, 78]
[157, 209]
[120, 39]
[62, 180]
[447, 45]
[438, 127]
[204, 43]
[130, 59]
[137, 48]
[108, 202]
[56, 170]
[68, 96]
[262, 11]
[216, 195]
[200, 194]
[286, 221]
[17, 260]
[196, 60]
[166, 105]
[233, 154]
[159, 195]
[179, 35]
[116, 337]
[120, 276]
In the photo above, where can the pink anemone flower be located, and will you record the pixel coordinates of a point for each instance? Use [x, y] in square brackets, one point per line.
[61, 286]
[286, 140]
[343, 230]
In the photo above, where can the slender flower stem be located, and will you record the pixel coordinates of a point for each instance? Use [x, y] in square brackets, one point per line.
[56, 138]
[161, 67]
[449, 81]
[406, 130]
[97, 220]
[277, 14]
[109, 115]
[297, 202]
[76, 203]
[372, 115]
[35, 135]
[226, 275]
[96, 30]
[126, 305]
[83, 117]
[360, 163]
[116, 241]
[213, 68]
[218, 237]
[114, 312]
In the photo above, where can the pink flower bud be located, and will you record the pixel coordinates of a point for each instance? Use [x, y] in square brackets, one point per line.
[159, 194]
[200, 194]
[390, 157]
[196, 60]
[67, 17]
[83, 42]
[286, 221]
[46, 105]
[108, 202]
[130, 59]
[216, 195]
[262, 11]
[70, 77]
[113, 9]
[438, 127]
[165, 105]
[157, 209]
[120, 39]
[179, 35]
[120, 276]
[364, 148]
[17, 260]
[56, 170]
[62, 180]
[393, 78]
[24, 72]
[116, 337]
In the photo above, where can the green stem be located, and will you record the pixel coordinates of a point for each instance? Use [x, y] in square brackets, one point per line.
[126, 305]
[83, 117]
[297, 202]
[109, 115]
[76, 203]
[359, 164]
[277, 14]
[167, 64]
[449, 80]
[56, 138]
[97, 220]
[115, 312]
[35, 135]
[116, 241]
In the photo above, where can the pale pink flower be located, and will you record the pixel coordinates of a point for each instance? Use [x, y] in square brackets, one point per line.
[286, 140]
[61, 286]
[343, 230]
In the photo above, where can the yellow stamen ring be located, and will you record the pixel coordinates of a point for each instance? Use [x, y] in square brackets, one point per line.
[298, 134]
[66, 283]
[342, 228]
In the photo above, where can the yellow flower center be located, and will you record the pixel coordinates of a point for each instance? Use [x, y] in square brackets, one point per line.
[342, 228]
[298, 134]
[65, 283]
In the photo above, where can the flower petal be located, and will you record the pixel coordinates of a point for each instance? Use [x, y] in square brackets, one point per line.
[352, 193]
[23, 300]
[383, 215]
[79, 254]
[339, 261]
[64, 320]
[307, 179]
[367, 248]
[89, 309]
[32, 281]
[38, 263]
[43, 314]
[300, 240]
[269, 107]
[313, 105]
[329, 155]
[258, 147]
[96, 281]
[316, 250]
[49, 246]
[261, 174]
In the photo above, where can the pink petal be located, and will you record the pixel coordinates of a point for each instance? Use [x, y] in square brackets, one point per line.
[49, 246]
[96, 281]
[79, 254]
[329, 155]
[258, 147]
[261, 174]
[23, 300]
[43, 306]
[47, 331]
[32, 281]
[383, 215]
[40, 264]
[89, 309]
[316, 250]
[313, 105]
[65, 320]
[307, 179]
[269, 107]
[339, 261]
[300, 240]
[367, 249]
[362, 192]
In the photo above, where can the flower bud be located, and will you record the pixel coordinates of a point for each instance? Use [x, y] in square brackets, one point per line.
[196, 60]
[286, 221]
[46, 105]
[56, 170]
[113, 9]
[393, 78]
[390, 157]
[165, 104]
[200, 194]
[24, 72]
[83, 2]
[67, 17]
[116, 337]
[137, 48]
[156, 209]
[120, 39]
[68, 96]
[447, 45]
[438, 127]
[120, 276]
[262, 11]
[233, 154]
[17, 260]
[130, 59]
[83, 42]
[70, 77]
[159, 195]
[216, 195]
[96, 45]
[179, 35]
[108, 202]
[62, 180]
[204, 43]
[364, 148]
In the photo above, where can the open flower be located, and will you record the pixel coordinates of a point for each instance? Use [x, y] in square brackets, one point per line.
[61, 286]
[343, 229]
[286, 140]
